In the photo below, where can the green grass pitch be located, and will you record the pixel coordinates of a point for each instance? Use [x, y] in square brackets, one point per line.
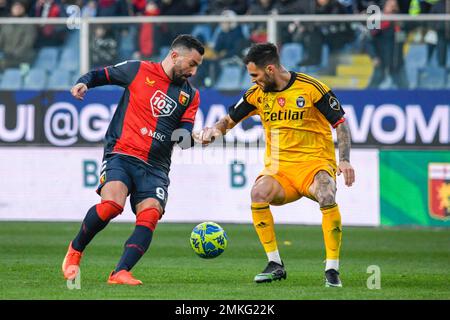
[414, 264]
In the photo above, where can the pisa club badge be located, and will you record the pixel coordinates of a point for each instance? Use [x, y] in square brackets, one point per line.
[439, 190]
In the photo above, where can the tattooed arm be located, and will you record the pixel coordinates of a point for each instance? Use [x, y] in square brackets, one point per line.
[344, 144]
[224, 124]
[344, 141]
[236, 113]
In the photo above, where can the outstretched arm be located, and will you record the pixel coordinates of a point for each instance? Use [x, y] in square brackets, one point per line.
[344, 145]
[224, 124]
[121, 74]
[236, 113]
[208, 135]
[93, 78]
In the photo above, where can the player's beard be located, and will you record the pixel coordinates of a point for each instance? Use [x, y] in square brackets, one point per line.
[269, 84]
[178, 77]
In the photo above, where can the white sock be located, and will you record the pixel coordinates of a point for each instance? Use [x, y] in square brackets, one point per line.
[332, 264]
[274, 256]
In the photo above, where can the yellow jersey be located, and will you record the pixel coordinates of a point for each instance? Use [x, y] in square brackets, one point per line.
[296, 120]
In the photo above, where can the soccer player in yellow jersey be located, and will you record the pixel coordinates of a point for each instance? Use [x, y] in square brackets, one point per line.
[297, 113]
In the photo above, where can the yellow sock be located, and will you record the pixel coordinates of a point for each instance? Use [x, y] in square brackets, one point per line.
[264, 226]
[332, 230]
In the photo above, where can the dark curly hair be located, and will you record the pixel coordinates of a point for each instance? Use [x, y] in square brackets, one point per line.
[188, 41]
[263, 54]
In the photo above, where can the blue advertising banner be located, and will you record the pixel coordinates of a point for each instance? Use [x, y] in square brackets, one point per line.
[376, 118]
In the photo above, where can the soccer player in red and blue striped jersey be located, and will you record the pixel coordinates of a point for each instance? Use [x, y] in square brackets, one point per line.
[156, 108]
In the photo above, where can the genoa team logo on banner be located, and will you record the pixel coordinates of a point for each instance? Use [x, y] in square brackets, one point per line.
[439, 190]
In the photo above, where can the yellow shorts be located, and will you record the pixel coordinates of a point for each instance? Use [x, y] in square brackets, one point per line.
[296, 178]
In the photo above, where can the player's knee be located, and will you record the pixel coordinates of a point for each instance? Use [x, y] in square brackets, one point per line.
[260, 193]
[326, 198]
[108, 210]
[148, 217]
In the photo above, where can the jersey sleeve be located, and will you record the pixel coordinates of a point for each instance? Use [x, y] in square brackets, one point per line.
[184, 140]
[244, 108]
[191, 111]
[324, 99]
[331, 108]
[123, 73]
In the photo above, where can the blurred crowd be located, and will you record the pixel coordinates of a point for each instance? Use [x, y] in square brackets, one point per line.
[225, 41]
[105, 8]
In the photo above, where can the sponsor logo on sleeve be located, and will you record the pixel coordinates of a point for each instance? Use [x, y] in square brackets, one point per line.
[334, 103]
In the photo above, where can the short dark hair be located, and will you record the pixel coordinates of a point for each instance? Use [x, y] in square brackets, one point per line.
[263, 54]
[188, 41]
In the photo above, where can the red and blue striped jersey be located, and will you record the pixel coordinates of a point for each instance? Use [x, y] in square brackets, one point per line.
[152, 107]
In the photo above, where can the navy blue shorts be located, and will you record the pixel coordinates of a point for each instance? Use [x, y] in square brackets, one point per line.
[142, 180]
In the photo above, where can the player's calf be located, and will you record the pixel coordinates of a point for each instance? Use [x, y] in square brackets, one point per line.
[96, 220]
[140, 239]
[324, 191]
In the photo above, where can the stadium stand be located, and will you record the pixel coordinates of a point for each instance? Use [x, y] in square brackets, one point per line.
[11, 79]
[36, 79]
[432, 77]
[354, 68]
[246, 81]
[47, 58]
[61, 79]
[69, 60]
[415, 59]
[291, 54]
[230, 78]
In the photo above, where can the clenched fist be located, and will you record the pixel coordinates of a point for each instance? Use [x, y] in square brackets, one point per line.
[206, 135]
[79, 90]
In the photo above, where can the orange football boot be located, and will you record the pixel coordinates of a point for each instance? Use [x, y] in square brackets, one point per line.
[71, 263]
[123, 277]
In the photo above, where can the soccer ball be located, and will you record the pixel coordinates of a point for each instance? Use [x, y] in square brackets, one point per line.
[208, 240]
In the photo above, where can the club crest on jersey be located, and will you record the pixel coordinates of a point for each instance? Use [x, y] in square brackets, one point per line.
[281, 101]
[162, 105]
[334, 103]
[300, 102]
[183, 98]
